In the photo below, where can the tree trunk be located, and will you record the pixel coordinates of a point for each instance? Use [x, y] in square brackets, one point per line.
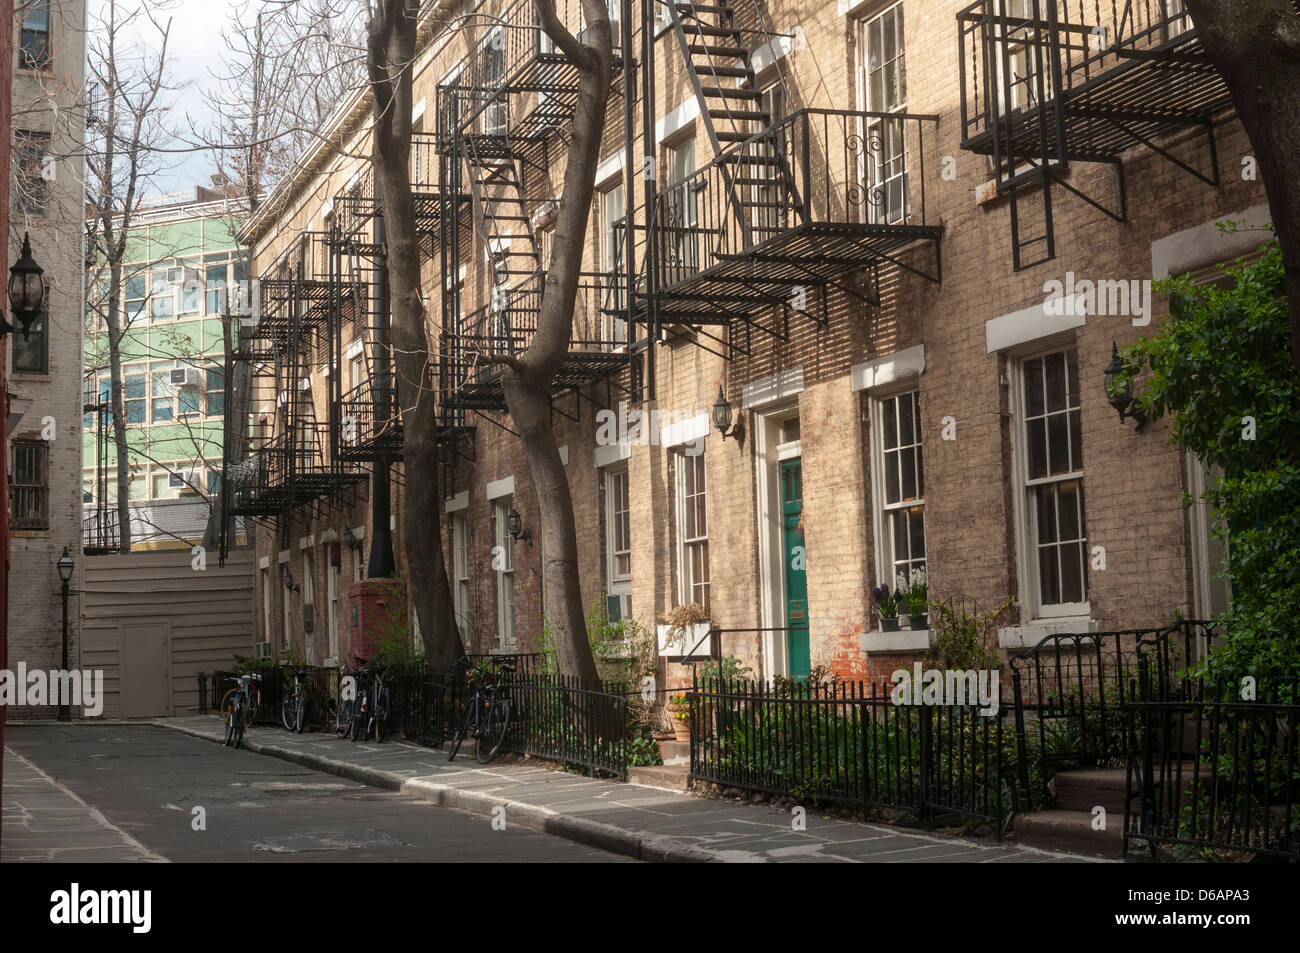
[527, 380]
[113, 322]
[391, 51]
[1255, 45]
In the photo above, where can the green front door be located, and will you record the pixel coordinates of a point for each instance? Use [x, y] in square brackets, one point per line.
[796, 576]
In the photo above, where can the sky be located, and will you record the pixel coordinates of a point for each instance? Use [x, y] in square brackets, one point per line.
[195, 50]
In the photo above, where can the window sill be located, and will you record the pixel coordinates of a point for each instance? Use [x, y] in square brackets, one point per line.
[878, 642]
[1031, 633]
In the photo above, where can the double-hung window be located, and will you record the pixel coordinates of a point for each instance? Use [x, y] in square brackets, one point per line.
[34, 49]
[460, 569]
[612, 248]
[503, 564]
[1052, 474]
[692, 530]
[682, 211]
[31, 485]
[901, 486]
[884, 76]
[618, 531]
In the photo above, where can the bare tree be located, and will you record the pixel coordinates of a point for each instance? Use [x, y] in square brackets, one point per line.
[1255, 45]
[125, 120]
[389, 61]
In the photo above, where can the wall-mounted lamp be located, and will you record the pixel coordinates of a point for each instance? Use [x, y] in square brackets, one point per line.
[515, 525]
[350, 539]
[722, 419]
[1122, 398]
[289, 583]
[26, 291]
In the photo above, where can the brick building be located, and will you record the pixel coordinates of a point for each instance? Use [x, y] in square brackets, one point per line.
[858, 210]
[43, 445]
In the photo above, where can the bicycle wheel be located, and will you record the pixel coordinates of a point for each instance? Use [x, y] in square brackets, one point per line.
[299, 713]
[493, 731]
[237, 719]
[464, 728]
[381, 713]
[359, 718]
[227, 710]
[346, 713]
[253, 703]
[287, 713]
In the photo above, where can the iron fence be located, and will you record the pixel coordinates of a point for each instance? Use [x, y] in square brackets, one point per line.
[571, 720]
[1213, 766]
[851, 744]
[1069, 691]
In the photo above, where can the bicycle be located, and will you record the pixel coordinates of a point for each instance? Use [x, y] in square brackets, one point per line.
[293, 710]
[239, 707]
[348, 711]
[488, 714]
[374, 704]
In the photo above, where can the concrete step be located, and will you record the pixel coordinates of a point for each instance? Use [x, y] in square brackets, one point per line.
[1085, 789]
[1071, 831]
[675, 752]
[670, 776]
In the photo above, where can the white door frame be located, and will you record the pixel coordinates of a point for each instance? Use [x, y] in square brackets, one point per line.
[767, 438]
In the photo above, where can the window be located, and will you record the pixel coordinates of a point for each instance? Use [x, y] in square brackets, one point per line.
[885, 78]
[692, 531]
[611, 261]
[771, 194]
[266, 605]
[494, 74]
[191, 290]
[34, 49]
[682, 213]
[33, 170]
[32, 353]
[215, 388]
[1052, 449]
[214, 482]
[31, 497]
[133, 387]
[460, 569]
[503, 562]
[618, 531]
[162, 396]
[161, 490]
[1023, 58]
[902, 487]
[358, 369]
[332, 599]
[215, 282]
[135, 291]
[189, 400]
[163, 306]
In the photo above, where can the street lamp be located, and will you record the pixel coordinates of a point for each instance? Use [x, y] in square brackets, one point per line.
[1122, 400]
[65, 565]
[26, 291]
[722, 419]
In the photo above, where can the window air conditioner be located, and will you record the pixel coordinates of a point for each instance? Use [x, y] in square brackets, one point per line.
[185, 377]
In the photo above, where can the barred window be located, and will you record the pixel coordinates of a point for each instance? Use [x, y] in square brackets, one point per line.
[31, 485]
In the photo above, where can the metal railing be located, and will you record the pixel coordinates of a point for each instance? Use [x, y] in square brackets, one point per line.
[571, 720]
[99, 531]
[1212, 767]
[1069, 690]
[850, 744]
[815, 167]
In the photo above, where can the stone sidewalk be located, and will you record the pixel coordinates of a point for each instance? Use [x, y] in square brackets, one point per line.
[43, 821]
[643, 822]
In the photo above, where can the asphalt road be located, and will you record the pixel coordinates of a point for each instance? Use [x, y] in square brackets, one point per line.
[147, 781]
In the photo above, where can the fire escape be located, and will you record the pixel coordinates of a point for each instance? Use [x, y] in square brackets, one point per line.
[503, 113]
[293, 468]
[793, 202]
[1049, 82]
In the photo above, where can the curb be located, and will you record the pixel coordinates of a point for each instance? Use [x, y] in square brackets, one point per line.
[648, 847]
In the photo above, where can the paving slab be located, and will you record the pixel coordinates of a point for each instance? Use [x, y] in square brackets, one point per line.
[644, 822]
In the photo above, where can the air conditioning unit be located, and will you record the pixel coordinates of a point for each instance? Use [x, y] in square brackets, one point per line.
[183, 480]
[304, 384]
[179, 274]
[186, 377]
[261, 650]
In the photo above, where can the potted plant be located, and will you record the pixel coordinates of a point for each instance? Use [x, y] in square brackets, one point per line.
[886, 607]
[682, 621]
[916, 596]
[679, 710]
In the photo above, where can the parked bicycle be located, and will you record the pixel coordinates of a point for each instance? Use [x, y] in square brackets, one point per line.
[376, 703]
[487, 717]
[347, 711]
[239, 707]
[298, 703]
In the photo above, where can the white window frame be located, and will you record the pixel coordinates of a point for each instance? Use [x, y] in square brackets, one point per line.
[685, 582]
[613, 329]
[332, 606]
[876, 169]
[266, 604]
[886, 558]
[494, 120]
[617, 584]
[1025, 512]
[460, 572]
[505, 577]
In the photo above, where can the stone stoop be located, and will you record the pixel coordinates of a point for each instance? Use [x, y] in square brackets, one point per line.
[672, 777]
[675, 752]
[1069, 826]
